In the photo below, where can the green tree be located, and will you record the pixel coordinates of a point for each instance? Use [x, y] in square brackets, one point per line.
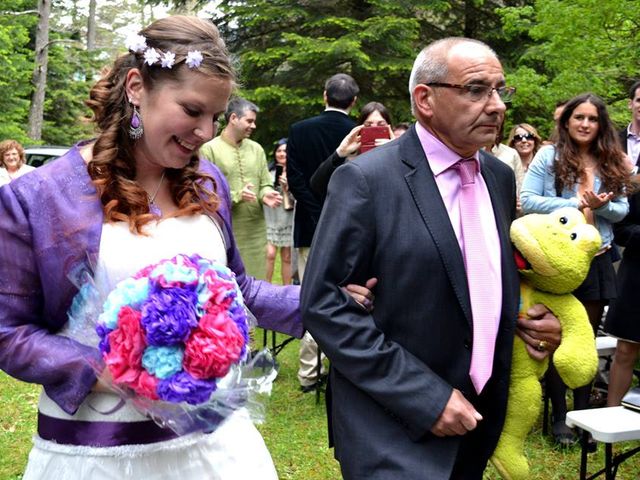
[17, 19]
[573, 46]
[286, 49]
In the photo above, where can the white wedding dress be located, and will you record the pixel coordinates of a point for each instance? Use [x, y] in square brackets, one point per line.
[234, 451]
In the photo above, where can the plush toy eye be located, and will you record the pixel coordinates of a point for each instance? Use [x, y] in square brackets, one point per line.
[573, 236]
[564, 220]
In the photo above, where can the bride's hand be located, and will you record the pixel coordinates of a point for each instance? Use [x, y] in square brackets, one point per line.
[363, 294]
[104, 382]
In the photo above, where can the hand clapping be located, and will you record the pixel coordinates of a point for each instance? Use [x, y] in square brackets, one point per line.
[593, 200]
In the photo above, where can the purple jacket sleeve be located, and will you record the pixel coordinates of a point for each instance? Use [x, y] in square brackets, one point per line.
[275, 307]
[29, 348]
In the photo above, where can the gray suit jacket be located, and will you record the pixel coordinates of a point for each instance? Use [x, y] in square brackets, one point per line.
[393, 370]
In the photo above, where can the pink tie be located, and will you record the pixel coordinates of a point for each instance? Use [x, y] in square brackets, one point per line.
[481, 284]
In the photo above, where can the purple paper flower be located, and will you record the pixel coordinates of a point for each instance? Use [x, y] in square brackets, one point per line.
[103, 332]
[238, 315]
[169, 316]
[182, 387]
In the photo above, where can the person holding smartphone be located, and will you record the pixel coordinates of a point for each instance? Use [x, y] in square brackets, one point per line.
[373, 116]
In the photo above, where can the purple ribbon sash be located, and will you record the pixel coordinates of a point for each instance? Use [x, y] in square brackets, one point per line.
[101, 434]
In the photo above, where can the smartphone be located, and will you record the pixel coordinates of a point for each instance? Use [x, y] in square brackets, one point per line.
[368, 136]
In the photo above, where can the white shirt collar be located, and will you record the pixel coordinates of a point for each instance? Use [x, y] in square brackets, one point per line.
[334, 109]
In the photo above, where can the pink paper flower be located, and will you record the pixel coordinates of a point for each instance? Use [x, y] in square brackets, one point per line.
[213, 347]
[127, 344]
[147, 385]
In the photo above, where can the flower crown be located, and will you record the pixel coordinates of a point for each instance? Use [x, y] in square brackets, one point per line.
[138, 44]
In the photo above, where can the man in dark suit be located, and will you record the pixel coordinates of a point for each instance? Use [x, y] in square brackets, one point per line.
[630, 136]
[403, 400]
[310, 142]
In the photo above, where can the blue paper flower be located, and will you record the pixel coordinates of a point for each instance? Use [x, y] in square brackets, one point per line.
[162, 361]
[131, 291]
[175, 273]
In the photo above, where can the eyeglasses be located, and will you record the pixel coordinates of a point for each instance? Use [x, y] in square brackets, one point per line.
[522, 137]
[477, 92]
[381, 123]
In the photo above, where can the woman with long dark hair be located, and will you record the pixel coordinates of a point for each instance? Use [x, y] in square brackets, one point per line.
[587, 170]
[280, 219]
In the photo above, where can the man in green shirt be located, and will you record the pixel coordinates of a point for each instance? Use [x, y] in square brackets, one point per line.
[243, 163]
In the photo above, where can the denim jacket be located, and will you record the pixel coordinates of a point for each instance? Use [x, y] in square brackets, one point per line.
[538, 195]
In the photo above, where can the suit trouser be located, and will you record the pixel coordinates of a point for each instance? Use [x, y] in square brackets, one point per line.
[308, 369]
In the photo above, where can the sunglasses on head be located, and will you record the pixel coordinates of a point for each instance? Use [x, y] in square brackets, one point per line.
[522, 138]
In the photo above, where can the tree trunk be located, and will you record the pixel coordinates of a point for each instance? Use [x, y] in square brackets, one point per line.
[91, 26]
[36, 111]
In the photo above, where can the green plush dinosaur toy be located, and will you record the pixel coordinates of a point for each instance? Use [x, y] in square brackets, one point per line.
[553, 254]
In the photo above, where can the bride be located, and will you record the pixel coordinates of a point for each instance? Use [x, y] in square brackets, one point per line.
[136, 194]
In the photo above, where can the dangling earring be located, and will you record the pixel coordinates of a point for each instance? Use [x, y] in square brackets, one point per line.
[135, 128]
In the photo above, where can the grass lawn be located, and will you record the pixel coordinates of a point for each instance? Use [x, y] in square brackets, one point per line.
[295, 432]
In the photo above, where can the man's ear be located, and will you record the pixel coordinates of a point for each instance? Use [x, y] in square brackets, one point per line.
[423, 101]
[134, 86]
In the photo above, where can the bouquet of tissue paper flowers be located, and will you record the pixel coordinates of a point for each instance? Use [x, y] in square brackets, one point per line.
[175, 336]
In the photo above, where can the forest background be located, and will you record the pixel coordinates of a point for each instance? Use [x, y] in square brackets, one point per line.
[51, 52]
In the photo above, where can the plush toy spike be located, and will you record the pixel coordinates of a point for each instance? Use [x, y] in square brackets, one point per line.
[553, 254]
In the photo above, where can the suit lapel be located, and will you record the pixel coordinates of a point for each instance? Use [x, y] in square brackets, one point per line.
[430, 206]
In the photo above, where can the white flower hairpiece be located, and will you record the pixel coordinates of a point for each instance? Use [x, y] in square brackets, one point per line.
[194, 58]
[138, 44]
[151, 56]
[168, 59]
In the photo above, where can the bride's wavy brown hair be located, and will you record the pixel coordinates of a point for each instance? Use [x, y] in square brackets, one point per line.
[612, 163]
[113, 167]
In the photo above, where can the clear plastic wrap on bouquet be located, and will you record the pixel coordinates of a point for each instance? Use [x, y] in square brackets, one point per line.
[174, 338]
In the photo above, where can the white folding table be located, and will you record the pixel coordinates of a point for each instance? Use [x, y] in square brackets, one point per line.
[607, 425]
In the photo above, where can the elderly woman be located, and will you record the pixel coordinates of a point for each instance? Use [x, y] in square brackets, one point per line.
[12, 161]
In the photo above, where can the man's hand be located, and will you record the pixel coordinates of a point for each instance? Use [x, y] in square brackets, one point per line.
[457, 418]
[272, 199]
[541, 331]
[247, 193]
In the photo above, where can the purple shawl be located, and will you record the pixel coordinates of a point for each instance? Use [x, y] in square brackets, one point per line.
[50, 224]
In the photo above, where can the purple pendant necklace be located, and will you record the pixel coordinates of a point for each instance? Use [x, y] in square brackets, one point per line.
[153, 208]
